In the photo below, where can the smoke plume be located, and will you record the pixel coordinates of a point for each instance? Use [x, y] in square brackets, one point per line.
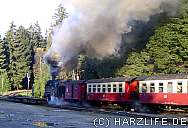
[94, 27]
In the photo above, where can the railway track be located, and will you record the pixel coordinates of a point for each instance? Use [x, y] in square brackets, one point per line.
[169, 115]
[25, 100]
[16, 93]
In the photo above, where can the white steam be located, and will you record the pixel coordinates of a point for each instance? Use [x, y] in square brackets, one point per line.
[94, 27]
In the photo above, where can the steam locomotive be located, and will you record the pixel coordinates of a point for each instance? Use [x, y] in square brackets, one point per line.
[162, 90]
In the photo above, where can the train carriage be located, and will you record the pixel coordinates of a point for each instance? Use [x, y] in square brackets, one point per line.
[154, 91]
[75, 90]
[164, 90]
[119, 90]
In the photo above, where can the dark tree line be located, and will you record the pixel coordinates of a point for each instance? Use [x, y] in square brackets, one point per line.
[156, 47]
[17, 55]
[166, 51]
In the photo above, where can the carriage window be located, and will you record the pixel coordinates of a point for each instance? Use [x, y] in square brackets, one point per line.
[89, 88]
[120, 88]
[160, 87]
[103, 88]
[94, 88]
[109, 88]
[187, 86]
[114, 88]
[169, 87]
[179, 87]
[98, 88]
[144, 87]
[152, 87]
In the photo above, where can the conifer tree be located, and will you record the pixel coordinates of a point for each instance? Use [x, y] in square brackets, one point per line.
[36, 37]
[9, 40]
[41, 73]
[4, 81]
[20, 55]
[59, 15]
[2, 57]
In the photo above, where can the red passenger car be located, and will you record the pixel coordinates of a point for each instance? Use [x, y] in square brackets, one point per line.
[75, 90]
[118, 90]
[169, 90]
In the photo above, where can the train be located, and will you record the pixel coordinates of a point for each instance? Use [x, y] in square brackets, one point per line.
[167, 90]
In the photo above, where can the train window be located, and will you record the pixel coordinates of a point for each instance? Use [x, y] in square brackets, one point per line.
[187, 86]
[179, 87]
[120, 88]
[169, 87]
[152, 87]
[94, 88]
[109, 88]
[98, 88]
[89, 88]
[144, 87]
[104, 88]
[160, 87]
[114, 88]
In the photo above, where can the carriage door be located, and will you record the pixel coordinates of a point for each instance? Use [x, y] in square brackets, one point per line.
[83, 92]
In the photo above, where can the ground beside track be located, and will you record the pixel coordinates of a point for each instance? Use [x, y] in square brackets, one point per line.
[16, 115]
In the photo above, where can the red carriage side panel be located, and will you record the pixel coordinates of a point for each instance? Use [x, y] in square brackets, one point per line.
[75, 90]
[82, 92]
[110, 96]
[79, 91]
[68, 91]
[110, 90]
[133, 86]
[164, 99]
[133, 91]
[107, 96]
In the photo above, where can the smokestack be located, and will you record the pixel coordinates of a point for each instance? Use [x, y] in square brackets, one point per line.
[95, 27]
